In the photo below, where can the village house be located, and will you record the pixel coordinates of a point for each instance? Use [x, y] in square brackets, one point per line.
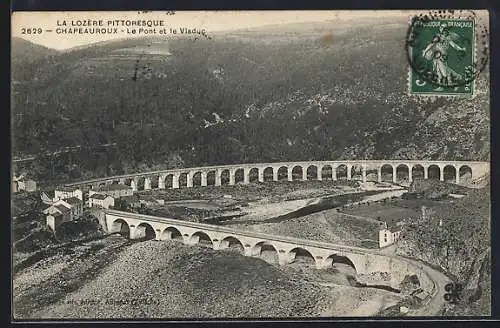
[63, 211]
[23, 184]
[115, 190]
[65, 192]
[56, 217]
[388, 235]
[76, 206]
[101, 201]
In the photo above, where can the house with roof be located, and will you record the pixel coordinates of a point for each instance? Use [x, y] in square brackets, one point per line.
[65, 192]
[63, 210]
[101, 200]
[388, 235]
[115, 190]
[57, 213]
[22, 183]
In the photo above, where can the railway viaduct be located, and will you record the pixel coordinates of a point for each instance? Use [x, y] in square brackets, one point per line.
[459, 172]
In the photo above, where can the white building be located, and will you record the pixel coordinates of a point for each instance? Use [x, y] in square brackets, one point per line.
[23, 184]
[100, 200]
[115, 190]
[65, 192]
[388, 236]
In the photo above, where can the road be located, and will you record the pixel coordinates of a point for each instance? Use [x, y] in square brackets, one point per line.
[434, 306]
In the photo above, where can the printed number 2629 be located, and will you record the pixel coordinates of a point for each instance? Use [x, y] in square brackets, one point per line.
[34, 30]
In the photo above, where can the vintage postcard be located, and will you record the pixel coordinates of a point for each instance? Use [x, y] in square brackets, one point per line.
[255, 164]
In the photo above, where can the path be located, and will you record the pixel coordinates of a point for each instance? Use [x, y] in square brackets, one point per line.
[436, 303]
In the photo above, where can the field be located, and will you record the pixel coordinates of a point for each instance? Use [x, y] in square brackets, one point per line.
[393, 210]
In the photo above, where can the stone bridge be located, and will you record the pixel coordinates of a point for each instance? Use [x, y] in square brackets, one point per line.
[459, 172]
[279, 249]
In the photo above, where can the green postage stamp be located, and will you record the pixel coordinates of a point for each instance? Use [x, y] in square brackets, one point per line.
[442, 55]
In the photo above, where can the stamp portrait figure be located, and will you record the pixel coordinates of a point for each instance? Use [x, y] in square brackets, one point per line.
[438, 51]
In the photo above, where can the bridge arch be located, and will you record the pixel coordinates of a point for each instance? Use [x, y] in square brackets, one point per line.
[327, 172]
[253, 175]
[465, 174]
[297, 172]
[334, 259]
[282, 173]
[144, 231]
[417, 172]
[201, 238]
[449, 173]
[232, 243]
[211, 178]
[154, 181]
[402, 173]
[141, 183]
[266, 251]
[341, 171]
[197, 179]
[387, 173]
[434, 172]
[171, 233]
[239, 175]
[356, 172]
[301, 256]
[268, 174]
[121, 226]
[224, 177]
[312, 172]
[169, 181]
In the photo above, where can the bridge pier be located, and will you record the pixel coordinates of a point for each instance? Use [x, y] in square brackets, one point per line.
[147, 184]
[161, 182]
[304, 174]
[286, 258]
[218, 175]
[441, 173]
[319, 175]
[289, 174]
[349, 168]
[175, 181]
[189, 180]
[275, 173]
[379, 174]
[203, 179]
[232, 177]
[334, 172]
[363, 173]
[426, 172]
[133, 184]
[246, 176]
[457, 174]
[261, 174]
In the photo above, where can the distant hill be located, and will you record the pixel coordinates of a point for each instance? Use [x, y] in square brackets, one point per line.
[325, 93]
[23, 51]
